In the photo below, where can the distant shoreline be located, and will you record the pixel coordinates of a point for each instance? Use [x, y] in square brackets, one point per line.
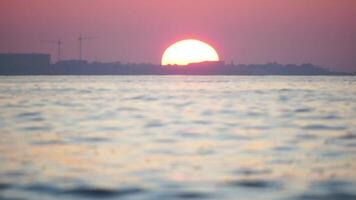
[39, 64]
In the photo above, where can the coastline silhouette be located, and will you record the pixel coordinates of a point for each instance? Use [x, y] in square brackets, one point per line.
[39, 64]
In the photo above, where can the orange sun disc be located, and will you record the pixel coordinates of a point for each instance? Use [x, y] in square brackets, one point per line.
[189, 51]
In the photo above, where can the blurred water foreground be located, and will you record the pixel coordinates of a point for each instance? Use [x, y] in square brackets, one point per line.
[178, 137]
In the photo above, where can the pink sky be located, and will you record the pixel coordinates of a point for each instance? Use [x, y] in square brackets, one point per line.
[322, 32]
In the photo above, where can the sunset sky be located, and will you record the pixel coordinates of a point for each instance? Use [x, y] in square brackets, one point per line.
[322, 32]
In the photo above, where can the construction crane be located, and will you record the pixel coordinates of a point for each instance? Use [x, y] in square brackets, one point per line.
[58, 43]
[81, 39]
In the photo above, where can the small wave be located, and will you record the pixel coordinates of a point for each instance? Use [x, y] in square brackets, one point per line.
[142, 97]
[258, 127]
[13, 174]
[305, 136]
[256, 184]
[202, 122]
[329, 196]
[86, 192]
[104, 193]
[336, 184]
[30, 116]
[347, 136]
[110, 128]
[346, 140]
[282, 161]
[335, 190]
[85, 91]
[42, 189]
[36, 128]
[192, 195]
[153, 124]
[4, 186]
[331, 117]
[249, 172]
[284, 148]
[90, 139]
[334, 154]
[48, 142]
[303, 110]
[323, 127]
[283, 98]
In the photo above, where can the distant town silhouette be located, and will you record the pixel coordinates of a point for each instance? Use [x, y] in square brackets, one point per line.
[39, 64]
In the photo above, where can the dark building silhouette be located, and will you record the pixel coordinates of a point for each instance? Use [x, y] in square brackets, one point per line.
[24, 64]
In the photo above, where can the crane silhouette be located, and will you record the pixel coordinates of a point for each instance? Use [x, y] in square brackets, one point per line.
[81, 39]
[58, 43]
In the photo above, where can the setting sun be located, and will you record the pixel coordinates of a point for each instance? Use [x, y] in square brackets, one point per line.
[189, 51]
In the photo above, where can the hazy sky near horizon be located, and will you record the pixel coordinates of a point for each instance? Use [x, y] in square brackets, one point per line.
[322, 32]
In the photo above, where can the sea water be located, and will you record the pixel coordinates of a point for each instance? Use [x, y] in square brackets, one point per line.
[177, 137]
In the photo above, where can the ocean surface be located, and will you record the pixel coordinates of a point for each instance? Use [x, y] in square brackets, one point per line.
[178, 137]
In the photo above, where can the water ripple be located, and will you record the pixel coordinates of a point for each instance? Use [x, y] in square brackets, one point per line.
[256, 184]
[86, 192]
